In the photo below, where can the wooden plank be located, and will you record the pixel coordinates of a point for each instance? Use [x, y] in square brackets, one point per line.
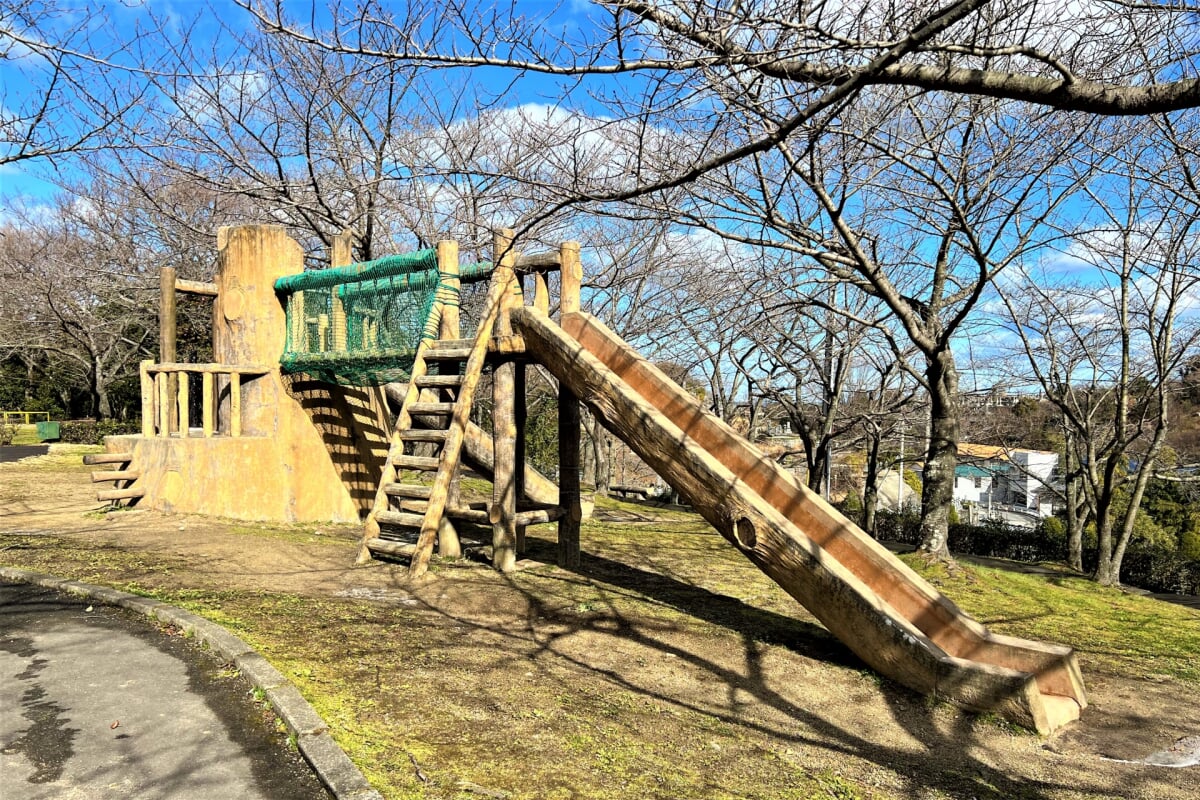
[235, 404]
[147, 397]
[196, 287]
[207, 415]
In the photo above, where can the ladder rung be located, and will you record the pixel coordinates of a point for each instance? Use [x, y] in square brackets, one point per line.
[408, 490]
[475, 515]
[430, 408]
[423, 435]
[116, 475]
[414, 506]
[442, 381]
[448, 353]
[400, 518]
[395, 549]
[92, 459]
[119, 494]
[417, 462]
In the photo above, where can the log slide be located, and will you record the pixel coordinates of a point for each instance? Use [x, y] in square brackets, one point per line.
[888, 615]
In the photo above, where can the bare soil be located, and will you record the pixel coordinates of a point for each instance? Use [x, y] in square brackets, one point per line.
[665, 667]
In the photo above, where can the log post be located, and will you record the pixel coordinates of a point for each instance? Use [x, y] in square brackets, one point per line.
[206, 404]
[520, 414]
[340, 256]
[235, 404]
[449, 327]
[449, 286]
[568, 478]
[165, 406]
[504, 432]
[167, 325]
[541, 292]
[147, 396]
[571, 277]
[184, 420]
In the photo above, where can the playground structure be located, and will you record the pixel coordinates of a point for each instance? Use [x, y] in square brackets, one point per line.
[280, 445]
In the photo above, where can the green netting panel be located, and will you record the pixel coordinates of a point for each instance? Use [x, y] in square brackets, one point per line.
[361, 325]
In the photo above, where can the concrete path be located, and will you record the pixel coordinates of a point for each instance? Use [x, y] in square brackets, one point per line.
[94, 704]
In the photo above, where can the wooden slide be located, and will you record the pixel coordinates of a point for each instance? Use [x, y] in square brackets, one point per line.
[887, 614]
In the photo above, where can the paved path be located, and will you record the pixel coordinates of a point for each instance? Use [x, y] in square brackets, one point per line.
[15, 452]
[97, 705]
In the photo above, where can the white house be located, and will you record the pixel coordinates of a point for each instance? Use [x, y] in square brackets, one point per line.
[1005, 484]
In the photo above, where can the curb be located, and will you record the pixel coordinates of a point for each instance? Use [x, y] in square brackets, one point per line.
[331, 764]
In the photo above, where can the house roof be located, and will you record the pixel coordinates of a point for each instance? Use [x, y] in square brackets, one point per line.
[972, 471]
[982, 451]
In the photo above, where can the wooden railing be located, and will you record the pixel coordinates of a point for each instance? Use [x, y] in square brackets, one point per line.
[166, 403]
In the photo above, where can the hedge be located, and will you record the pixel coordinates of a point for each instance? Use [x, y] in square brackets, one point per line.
[87, 431]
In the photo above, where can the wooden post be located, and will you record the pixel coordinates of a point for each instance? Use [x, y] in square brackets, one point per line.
[541, 293]
[235, 404]
[206, 405]
[147, 396]
[447, 261]
[568, 478]
[520, 413]
[503, 512]
[340, 256]
[166, 331]
[572, 277]
[165, 404]
[184, 421]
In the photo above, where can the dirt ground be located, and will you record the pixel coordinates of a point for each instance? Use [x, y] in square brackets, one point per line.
[656, 670]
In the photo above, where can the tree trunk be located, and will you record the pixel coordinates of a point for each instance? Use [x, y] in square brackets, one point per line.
[600, 453]
[870, 497]
[937, 485]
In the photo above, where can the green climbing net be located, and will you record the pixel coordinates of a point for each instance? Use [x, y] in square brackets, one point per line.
[361, 325]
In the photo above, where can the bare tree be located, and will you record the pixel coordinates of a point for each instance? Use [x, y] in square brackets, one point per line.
[1106, 348]
[68, 80]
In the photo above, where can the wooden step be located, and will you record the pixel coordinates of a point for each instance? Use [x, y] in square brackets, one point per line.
[413, 506]
[92, 459]
[108, 495]
[439, 381]
[400, 519]
[116, 475]
[449, 350]
[408, 490]
[424, 435]
[394, 549]
[476, 515]
[417, 462]
[431, 408]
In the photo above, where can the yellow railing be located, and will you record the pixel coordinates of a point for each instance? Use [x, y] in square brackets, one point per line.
[166, 397]
[7, 417]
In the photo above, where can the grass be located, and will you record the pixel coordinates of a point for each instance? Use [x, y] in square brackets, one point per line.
[431, 700]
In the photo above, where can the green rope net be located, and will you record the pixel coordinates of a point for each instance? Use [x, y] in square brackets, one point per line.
[361, 325]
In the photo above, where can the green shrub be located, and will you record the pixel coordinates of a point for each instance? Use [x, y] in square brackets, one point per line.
[88, 431]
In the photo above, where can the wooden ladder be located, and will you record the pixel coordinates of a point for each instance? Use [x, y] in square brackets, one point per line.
[122, 476]
[406, 518]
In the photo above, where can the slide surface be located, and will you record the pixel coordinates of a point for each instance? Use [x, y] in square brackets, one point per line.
[887, 614]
